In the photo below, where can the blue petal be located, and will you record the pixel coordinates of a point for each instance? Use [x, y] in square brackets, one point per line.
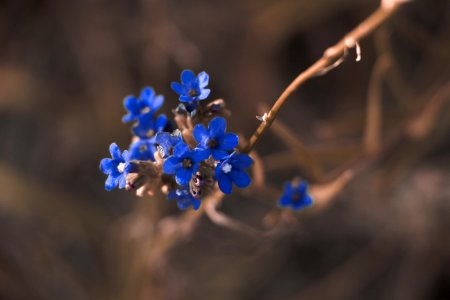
[199, 155]
[204, 94]
[196, 204]
[225, 184]
[187, 76]
[128, 118]
[180, 150]
[107, 164]
[114, 150]
[122, 181]
[125, 156]
[183, 176]
[160, 123]
[183, 204]
[302, 187]
[298, 205]
[201, 134]
[288, 190]
[172, 195]
[185, 98]
[228, 141]
[158, 101]
[219, 154]
[308, 200]
[217, 127]
[203, 79]
[131, 104]
[194, 168]
[146, 122]
[171, 165]
[143, 149]
[178, 88]
[111, 182]
[240, 179]
[284, 201]
[243, 161]
[218, 172]
[131, 168]
[147, 93]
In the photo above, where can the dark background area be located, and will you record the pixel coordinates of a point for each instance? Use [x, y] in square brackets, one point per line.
[65, 67]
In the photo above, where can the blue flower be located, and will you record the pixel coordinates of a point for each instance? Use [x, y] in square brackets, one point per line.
[295, 195]
[214, 139]
[231, 169]
[147, 103]
[117, 167]
[167, 142]
[143, 149]
[184, 198]
[184, 162]
[148, 125]
[192, 88]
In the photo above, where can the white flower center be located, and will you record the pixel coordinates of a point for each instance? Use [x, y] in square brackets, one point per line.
[121, 167]
[226, 168]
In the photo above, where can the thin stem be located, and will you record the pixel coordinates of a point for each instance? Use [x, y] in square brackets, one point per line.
[372, 131]
[330, 56]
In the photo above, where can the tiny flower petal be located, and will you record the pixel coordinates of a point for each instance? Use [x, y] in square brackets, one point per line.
[244, 161]
[240, 179]
[203, 79]
[180, 149]
[217, 127]
[111, 182]
[201, 134]
[114, 150]
[122, 181]
[183, 176]
[171, 165]
[107, 164]
[219, 154]
[199, 155]
[204, 94]
[178, 88]
[225, 184]
[187, 76]
[228, 141]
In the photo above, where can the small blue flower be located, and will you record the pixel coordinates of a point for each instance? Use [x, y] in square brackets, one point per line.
[192, 88]
[231, 169]
[167, 142]
[295, 196]
[184, 162]
[148, 125]
[214, 139]
[184, 198]
[148, 102]
[117, 167]
[143, 149]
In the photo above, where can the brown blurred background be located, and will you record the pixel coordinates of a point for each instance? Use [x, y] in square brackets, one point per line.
[65, 67]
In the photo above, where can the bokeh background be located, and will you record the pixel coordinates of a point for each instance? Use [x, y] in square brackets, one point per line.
[65, 67]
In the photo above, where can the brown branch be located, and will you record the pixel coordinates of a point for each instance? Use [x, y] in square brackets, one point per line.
[329, 58]
[423, 123]
[221, 219]
[372, 133]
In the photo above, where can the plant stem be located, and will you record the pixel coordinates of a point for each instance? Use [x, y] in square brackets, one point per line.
[330, 56]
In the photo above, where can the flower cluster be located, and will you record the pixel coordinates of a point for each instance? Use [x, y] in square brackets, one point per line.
[184, 158]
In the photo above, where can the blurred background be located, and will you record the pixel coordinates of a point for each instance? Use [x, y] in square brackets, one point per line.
[65, 67]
